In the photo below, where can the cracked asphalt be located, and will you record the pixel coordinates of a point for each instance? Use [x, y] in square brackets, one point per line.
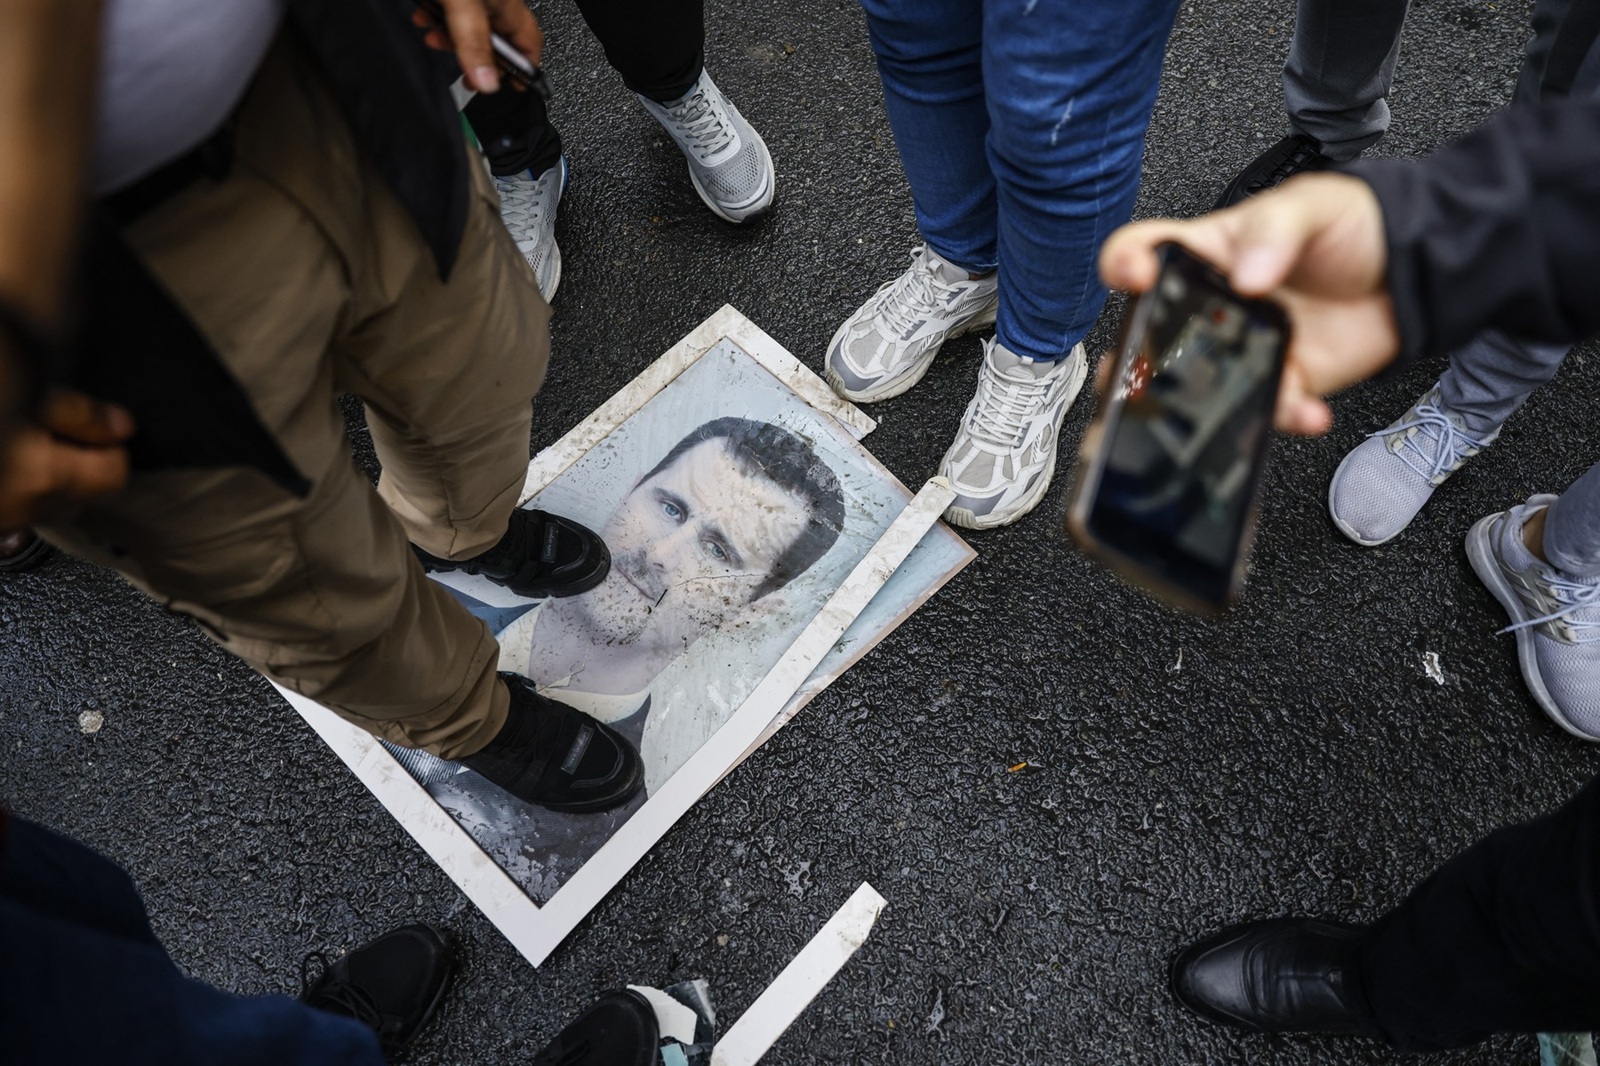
[1291, 757]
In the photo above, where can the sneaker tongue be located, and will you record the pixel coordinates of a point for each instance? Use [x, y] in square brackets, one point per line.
[945, 270]
[673, 105]
[1018, 368]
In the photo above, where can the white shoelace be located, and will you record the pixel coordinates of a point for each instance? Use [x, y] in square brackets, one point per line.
[907, 301]
[1573, 596]
[702, 124]
[522, 205]
[1451, 444]
[1004, 407]
[526, 199]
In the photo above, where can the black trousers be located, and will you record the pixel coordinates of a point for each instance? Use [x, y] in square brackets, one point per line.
[75, 933]
[1503, 938]
[658, 46]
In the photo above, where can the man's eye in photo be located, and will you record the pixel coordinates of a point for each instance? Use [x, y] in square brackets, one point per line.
[716, 552]
[671, 510]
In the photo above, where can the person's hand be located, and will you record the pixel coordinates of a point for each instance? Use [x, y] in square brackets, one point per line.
[73, 454]
[1316, 245]
[468, 24]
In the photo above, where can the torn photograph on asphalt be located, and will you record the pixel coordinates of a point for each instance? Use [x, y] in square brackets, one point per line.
[734, 509]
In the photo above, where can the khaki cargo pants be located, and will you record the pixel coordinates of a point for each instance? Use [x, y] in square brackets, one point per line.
[310, 280]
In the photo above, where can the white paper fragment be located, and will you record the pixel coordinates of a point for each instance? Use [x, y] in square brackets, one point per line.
[90, 722]
[753, 1035]
[1433, 667]
[1566, 1049]
[677, 1021]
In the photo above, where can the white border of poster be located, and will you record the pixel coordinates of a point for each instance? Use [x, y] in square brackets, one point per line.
[537, 930]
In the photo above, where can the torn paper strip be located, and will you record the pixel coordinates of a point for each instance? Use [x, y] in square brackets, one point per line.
[753, 1035]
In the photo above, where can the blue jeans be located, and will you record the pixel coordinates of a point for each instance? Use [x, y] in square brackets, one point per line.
[88, 981]
[1021, 125]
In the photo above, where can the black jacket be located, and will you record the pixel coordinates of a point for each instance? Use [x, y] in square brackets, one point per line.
[394, 92]
[1500, 230]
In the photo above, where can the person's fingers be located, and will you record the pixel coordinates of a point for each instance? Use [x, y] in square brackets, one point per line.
[78, 474]
[434, 37]
[468, 23]
[41, 477]
[1128, 259]
[1336, 343]
[1299, 410]
[84, 420]
[1274, 230]
[513, 21]
[1317, 233]
[1102, 371]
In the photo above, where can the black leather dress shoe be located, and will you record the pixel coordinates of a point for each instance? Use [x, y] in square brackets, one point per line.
[620, 1029]
[22, 550]
[556, 756]
[393, 985]
[1286, 975]
[540, 555]
[1294, 154]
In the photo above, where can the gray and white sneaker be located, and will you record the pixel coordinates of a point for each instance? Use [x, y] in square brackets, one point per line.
[528, 208]
[1387, 478]
[728, 161]
[1555, 616]
[889, 343]
[1002, 460]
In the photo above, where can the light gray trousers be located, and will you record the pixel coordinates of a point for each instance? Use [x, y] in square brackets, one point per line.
[1335, 89]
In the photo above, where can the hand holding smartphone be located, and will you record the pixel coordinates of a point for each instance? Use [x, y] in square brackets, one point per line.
[515, 67]
[1168, 473]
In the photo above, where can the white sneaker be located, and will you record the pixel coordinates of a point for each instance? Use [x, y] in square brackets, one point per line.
[1556, 618]
[1385, 480]
[728, 161]
[1005, 454]
[889, 343]
[528, 208]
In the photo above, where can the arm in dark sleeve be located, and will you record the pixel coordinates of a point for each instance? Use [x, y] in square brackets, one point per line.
[1499, 230]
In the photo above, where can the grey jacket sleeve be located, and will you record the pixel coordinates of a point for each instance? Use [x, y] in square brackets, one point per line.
[1499, 230]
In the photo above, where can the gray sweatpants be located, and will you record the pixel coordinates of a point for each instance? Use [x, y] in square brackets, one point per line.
[1341, 64]
[1335, 88]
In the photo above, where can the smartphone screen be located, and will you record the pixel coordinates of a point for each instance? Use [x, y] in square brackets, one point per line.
[1186, 425]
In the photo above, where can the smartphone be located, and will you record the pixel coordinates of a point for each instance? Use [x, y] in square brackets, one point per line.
[513, 65]
[1168, 473]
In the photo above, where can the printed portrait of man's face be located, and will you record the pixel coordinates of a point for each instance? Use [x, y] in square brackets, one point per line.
[735, 510]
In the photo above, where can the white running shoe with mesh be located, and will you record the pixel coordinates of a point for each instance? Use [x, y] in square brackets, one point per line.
[889, 343]
[528, 208]
[1385, 480]
[728, 161]
[1005, 455]
[1555, 616]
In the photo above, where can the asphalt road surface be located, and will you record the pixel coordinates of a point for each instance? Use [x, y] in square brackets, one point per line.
[1292, 757]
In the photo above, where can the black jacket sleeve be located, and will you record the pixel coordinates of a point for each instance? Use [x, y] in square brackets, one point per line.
[1499, 230]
